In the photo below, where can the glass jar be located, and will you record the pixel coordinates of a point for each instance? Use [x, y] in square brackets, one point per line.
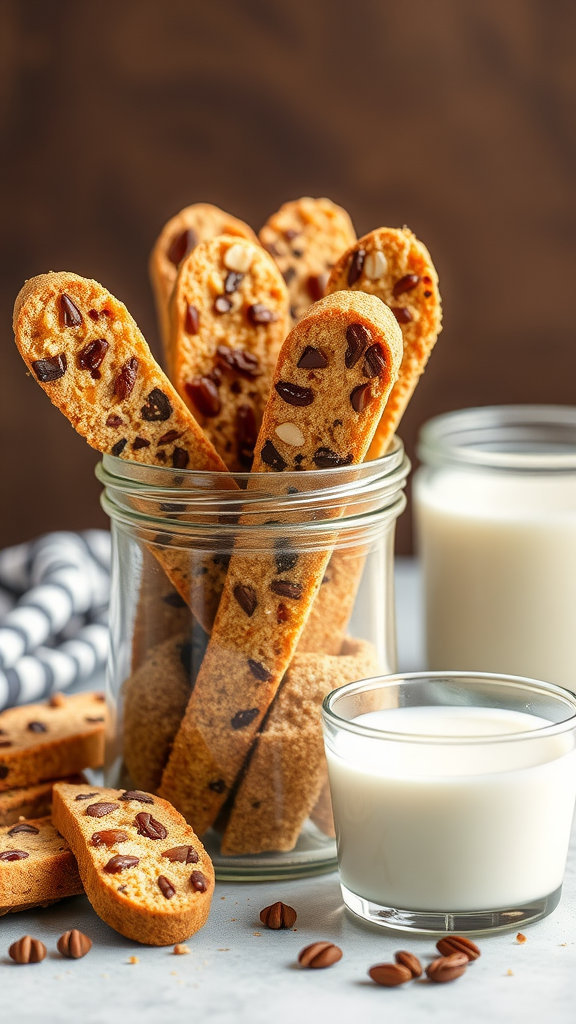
[174, 676]
[495, 508]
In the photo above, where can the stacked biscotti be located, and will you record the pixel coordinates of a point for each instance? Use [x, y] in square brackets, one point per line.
[246, 643]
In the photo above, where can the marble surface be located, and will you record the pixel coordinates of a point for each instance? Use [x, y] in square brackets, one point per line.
[238, 972]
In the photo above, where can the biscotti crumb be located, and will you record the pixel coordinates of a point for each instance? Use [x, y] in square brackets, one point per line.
[520, 939]
[133, 960]
[180, 949]
[509, 973]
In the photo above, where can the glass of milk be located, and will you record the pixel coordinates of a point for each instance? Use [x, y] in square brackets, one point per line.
[453, 795]
[495, 508]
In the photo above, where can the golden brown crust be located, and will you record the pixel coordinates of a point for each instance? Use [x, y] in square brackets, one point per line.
[306, 237]
[31, 801]
[178, 237]
[220, 315]
[131, 899]
[47, 741]
[48, 871]
[251, 648]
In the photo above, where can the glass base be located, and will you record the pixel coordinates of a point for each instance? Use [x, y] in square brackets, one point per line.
[314, 854]
[430, 922]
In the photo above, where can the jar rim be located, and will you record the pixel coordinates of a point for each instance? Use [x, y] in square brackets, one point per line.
[509, 438]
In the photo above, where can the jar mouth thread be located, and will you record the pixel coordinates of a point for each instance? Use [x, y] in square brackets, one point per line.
[506, 438]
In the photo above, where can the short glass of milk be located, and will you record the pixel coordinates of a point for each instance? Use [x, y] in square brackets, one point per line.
[453, 797]
[495, 509]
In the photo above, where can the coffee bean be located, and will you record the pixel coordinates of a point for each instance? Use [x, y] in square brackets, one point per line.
[258, 670]
[27, 950]
[285, 557]
[356, 264]
[50, 369]
[182, 855]
[402, 314]
[325, 458]
[293, 394]
[74, 944]
[120, 862]
[410, 961]
[286, 589]
[374, 361]
[119, 447]
[191, 319]
[37, 727]
[14, 855]
[243, 718]
[239, 360]
[231, 281]
[246, 598]
[71, 315]
[357, 337]
[136, 794]
[312, 359]
[166, 887]
[198, 881]
[100, 809]
[92, 355]
[360, 397]
[405, 284]
[246, 434]
[126, 378]
[114, 421]
[140, 442]
[222, 304]
[181, 245]
[272, 457]
[109, 837]
[157, 407]
[278, 915]
[259, 314]
[23, 826]
[204, 394]
[218, 786]
[149, 827]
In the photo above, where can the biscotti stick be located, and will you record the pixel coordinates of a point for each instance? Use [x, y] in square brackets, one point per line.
[287, 765]
[306, 237]
[229, 318]
[37, 867]
[177, 239]
[144, 870]
[33, 801]
[322, 412]
[86, 352]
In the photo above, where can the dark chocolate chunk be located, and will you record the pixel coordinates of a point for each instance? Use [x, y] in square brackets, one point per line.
[140, 442]
[71, 315]
[91, 356]
[198, 881]
[292, 490]
[356, 265]
[166, 887]
[204, 394]
[50, 369]
[289, 274]
[258, 671]
[100, 809]
[272, 458]
[222, 559]
[297, 253]
[126, 379]
[37, 727]
[6, 743]
[218, 786]
[282, 613]
[291, 233]
[325, 458]
[231, 281]
[114, 421]
[222, 304]
[286, 589]
[174, 600]
[427, 295]
[191, 319]
[14, 855]
[157, 407]
[374, 361]
[181, 245]
[316, 286]
[136, 794]
[4, 769]
[405, 284]
[259, 314]
[85, 796]
[119, 447]
[149, 827]
[312, 359]
[293, 394]
[120, 862]
[23, 826]
[402, 314]
[168, 437]
[298, 459]
[284, 556]
[360, 397]
[180, 458]
[109, 837]
[246, 434]
[182, 855]
[357, 337]
[246, 598]
[239, 360]
[93, 720]
[243, 718]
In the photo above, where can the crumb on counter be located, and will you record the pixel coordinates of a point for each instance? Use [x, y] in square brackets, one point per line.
[180, 949]
[520, 938]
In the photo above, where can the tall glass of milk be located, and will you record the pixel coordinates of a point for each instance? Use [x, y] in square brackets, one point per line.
[453, 795]
[495, 507]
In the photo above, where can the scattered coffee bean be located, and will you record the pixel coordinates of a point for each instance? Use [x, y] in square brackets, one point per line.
[243, 718]
[157, 407]
[166, 887]
[293, 394]
[356, 264]
[361, 397]
[149, 827]
[100, 809]
[27, 950]
[312, 359]
[37, 727]
[204, 394]
[405, 284]
[246, 598]
[23, 826]
[325, 458]
[119, 447]
[71, 315]
[109, 837]
[140, 442]
[286, 589]
[126, 379]
[272, 457]
[120, 863]
[239, 360]
[374, 361]
[10, 855]
[92, 355]
[114, 421]
[182, 855]
[181, 245]
[447, 968]
[222, 304]
[258, 670]
[390, 975]
[402, 314]
[259, 314]
[319, 954]
[74, 944]
[191, 319]
[410, 961]
[50, 369]
[357, 337]
[85, 796]
[136, 794]
[458, 944]
[198, 881]
[278, 915]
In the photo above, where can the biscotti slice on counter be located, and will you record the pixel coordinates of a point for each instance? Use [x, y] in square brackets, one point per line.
[144, 870]
[287, 765]
[45, 741]
[306, 237]
[179, 236]
[331, 383]
[229, 318]
[31, 801]
[37, 866]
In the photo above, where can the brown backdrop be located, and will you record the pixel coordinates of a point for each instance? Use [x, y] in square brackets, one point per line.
[450, 116]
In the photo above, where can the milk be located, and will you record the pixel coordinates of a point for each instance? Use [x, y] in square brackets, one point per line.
[499, 561]
[452, 826]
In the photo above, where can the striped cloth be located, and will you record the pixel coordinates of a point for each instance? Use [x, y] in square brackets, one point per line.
[54, 597]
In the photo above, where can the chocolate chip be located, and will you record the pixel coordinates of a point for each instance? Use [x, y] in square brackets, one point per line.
[427, 295]
[14, 855]
[357, 337]
[374, 361]
[222, 559]
[100, 809]
[198, 881]
[85, 796]
[218, 786]
[402, 314]
[23, 826]
[136, 794]
[222, 304]
[37, 727]
[182, 855]
[316, 286]
[50, 369]
[293, 394]
[297, 253]
[292, 490]
[243, 718]
[204, 394]
[231, 281]
[246, 434]
[239, 360]
[71, 315]
[291, 233]
[160, 456]
[140, 442]
[5, 743]
[119, 447]
[180, 458]
[126, 379]
[258, 670]
[259, 314]
[360, 397]
[286, 589]
[168, 437]
[174, 600]
[120, 862]
[181, 245]
[93, 720]
[91, 356]
[93, 314]
[246, 598]
[166, 887]
[114, 421]
[405, 284]
[191, 319]
[149, 827]
[356, 264]
[4, 769]
[272, 458]
[325, 458]
[282, 613]
[298, 459]
[110, 837]
[289, 274]
[285, 557]
[157, 406]
[312, 359]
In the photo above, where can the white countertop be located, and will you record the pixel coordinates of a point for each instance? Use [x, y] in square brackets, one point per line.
[239, 972]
